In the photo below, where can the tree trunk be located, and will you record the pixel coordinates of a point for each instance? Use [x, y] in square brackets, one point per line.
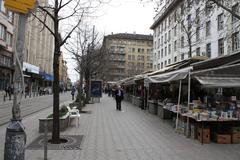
[56, 127]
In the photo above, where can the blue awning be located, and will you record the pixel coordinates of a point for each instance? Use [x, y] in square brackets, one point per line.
[46, 76]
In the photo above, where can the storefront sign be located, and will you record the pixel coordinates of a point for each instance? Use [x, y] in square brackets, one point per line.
[30, 68]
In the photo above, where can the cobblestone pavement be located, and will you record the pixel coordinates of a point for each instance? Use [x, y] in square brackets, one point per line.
[129, 135]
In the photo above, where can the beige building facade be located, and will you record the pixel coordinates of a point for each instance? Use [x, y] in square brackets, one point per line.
[126, 55]
[38, 54]
[63, 73]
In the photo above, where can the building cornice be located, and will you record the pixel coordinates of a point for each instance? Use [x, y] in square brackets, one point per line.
[168, 8]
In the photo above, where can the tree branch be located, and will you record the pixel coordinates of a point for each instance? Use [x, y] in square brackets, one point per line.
[69, 34]
[225, 8]
[43, 23]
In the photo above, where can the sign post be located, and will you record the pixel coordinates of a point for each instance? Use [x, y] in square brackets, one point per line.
[15, 134]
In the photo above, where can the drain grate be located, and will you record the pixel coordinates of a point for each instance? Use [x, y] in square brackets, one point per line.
[73, 143]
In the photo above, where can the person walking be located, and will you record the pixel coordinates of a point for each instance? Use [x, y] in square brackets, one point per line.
[73, 90]
[10, 92]
[118, 97]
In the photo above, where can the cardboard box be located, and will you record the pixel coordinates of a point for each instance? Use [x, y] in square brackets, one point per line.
[236, 138]
[223, 138]
[204, 135]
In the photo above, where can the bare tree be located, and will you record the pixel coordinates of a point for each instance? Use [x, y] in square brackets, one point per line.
[88, 56]
[63, 15]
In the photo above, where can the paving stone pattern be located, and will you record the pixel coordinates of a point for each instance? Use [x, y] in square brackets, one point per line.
[132, 135]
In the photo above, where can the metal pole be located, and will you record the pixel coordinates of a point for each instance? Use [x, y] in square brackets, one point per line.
[179, 99]
[189, 90]
[15, 135]
[45, 139]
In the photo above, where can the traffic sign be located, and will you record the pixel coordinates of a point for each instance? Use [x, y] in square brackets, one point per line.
[22, 6]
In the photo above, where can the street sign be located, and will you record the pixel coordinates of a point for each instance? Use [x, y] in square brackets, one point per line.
[21, 6]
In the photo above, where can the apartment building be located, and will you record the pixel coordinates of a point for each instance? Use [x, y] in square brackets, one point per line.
[127, 55]
[6, 46]
[188, 28]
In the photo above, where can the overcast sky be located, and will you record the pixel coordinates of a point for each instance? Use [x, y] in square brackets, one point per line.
[121, 16]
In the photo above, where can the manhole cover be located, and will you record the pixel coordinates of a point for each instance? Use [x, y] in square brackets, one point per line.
[73, 143]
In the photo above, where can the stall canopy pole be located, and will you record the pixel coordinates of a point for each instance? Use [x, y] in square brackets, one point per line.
[189, 90]
[179, 99]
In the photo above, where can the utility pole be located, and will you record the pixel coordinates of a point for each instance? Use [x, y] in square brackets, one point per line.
[15, 138]
[15, 135]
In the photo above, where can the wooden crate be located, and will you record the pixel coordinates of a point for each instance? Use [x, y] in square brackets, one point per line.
[223, 138]
[204, 135]
[236, 137]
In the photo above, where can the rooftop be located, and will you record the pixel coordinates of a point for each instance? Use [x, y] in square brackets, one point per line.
[130, 36]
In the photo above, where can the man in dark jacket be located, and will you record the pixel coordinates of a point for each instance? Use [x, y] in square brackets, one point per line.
[118, 97]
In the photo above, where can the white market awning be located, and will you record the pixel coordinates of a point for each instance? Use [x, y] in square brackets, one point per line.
[170, 76]
[222, 82]
[224, 76]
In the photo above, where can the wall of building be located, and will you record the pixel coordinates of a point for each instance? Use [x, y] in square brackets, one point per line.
[6, 46]
[170, 50]
[127, 56]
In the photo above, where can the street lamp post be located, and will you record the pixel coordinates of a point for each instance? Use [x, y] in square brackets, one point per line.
[15, 139]
[15, 135]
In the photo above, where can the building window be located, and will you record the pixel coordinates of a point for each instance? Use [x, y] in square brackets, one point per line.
[165, 39]
[133, 57]
[165, 63]
[182, 41]
[169, 61]
[169, 35]
[189, 21]
[221, 46]
[198, 51]
[3, 32]
[139, 50]
[208, 28]
[182, 56]
[158, 54]
[133, 50]
[161, 65]
[2, 8]
[9, 39]
[175, 59]
[197, 33]
[161, 53]
[165, 51]
[235, 41]
[220, 21]
[175, 30]
[175, 45]
[10, 16]
[208, 50]
[169, 49]
[235, 9]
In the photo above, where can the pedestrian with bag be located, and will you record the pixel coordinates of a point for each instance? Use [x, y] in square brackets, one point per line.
[118, 97]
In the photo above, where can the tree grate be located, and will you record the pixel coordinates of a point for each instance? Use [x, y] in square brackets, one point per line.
[73, 143]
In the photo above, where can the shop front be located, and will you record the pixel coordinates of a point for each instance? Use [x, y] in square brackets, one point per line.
[31, 79]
